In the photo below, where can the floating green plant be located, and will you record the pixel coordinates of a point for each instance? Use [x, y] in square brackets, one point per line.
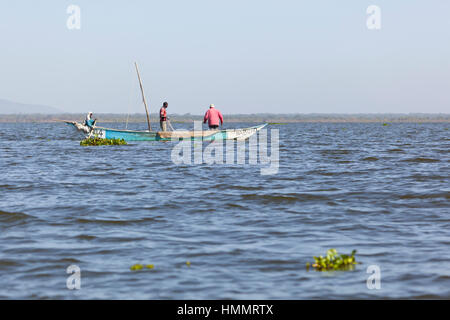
[102, 142]
[137, 267]
[334, 261]
[386, 124]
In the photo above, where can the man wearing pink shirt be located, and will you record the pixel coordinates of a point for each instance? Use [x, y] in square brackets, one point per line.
[213, 116]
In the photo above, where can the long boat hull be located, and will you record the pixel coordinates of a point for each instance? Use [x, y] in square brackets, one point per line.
[208, 135]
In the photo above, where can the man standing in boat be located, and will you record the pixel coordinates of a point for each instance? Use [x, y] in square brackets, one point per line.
[163, 116]
[213, 116]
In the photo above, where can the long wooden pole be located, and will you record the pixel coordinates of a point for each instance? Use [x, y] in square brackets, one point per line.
[143, 98]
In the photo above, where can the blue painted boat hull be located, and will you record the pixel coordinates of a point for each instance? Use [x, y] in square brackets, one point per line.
[208, 135]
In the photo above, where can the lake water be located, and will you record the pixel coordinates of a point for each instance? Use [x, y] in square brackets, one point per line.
[382, 190]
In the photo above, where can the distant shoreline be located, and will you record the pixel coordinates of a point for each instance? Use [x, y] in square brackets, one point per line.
[271, 118]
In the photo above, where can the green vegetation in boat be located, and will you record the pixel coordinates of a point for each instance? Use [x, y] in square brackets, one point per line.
[334, 261]
[101, 142]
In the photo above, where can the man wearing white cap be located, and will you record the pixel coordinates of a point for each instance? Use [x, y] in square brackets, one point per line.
[213, 116]
[89, 121]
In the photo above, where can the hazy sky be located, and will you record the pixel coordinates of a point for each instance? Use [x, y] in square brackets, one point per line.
[243, 56]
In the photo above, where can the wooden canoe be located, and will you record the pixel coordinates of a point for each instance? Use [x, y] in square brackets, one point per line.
[208, 135]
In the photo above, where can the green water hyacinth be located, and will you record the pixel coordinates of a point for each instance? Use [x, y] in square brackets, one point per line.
[334, 261]
[137, 267]
[102, 142]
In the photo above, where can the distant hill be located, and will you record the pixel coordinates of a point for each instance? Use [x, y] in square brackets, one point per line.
[10, 107]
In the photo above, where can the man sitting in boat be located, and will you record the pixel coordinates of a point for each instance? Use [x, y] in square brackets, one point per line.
[213, 116]
[89, 121]
[163, 116]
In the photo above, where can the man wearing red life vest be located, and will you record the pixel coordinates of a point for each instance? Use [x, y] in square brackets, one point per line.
[163, 116]
[213, 116]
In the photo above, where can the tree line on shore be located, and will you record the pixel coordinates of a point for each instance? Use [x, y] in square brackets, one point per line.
[259, 117]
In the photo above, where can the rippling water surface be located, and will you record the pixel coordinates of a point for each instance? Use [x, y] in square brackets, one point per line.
[382, 190]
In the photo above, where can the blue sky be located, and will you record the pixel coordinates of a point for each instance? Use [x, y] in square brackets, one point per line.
[243, 56]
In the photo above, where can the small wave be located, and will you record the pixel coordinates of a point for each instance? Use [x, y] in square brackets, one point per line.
[8, 263]
[443, 277]
[396, 150]
[321, 172]
[28, 187]
[284, 198]
[115, 222]
[122, 239]
[370, 159]
[13, 216]
[243, 187]
[419, 177]
[335, 152]
[235, 187]
[326, 190]
[421, 160]
[67, 260]
[85, 237]
[425, 196]
[235, 206]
